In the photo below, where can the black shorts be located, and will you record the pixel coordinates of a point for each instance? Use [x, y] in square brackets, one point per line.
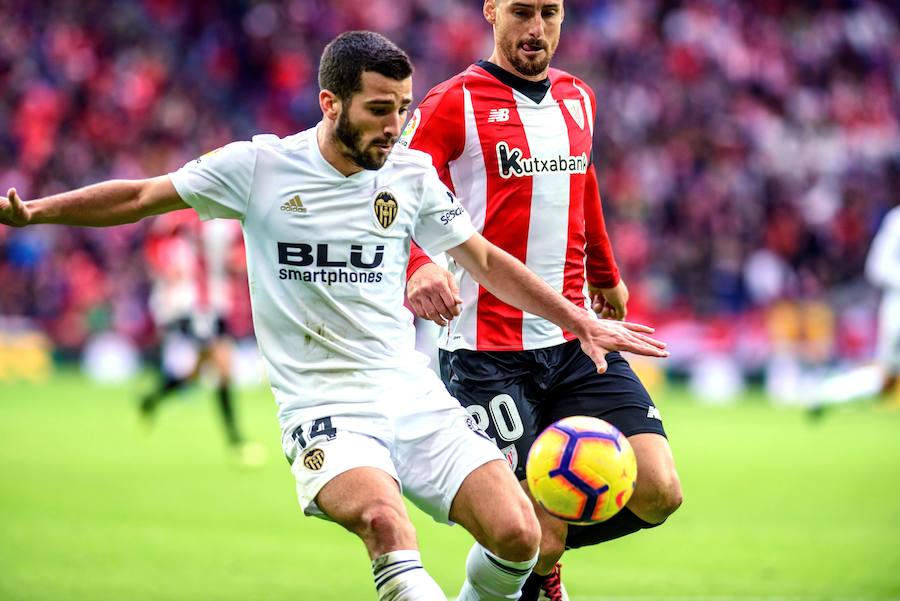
[199, 329]
[514, 395]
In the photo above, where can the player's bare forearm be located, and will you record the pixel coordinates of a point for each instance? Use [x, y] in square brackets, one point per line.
[512, 282]
[509, 280]
[109, 203]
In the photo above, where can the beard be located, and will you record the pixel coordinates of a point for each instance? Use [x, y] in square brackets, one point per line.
[351, 137]
[528, 68]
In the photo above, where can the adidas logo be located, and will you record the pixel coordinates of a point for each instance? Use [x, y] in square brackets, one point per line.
[294, 205]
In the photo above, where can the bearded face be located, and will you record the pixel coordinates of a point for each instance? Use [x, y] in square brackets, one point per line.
[527, 32]
[368, 154]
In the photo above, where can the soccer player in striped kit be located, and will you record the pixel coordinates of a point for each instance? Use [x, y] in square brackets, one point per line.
[513, 139]
[190, 263]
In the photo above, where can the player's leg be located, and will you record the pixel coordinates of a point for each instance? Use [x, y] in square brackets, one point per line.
[220, 352]
[177, 364]
[491, 505]
[496, 388]
[492, 387]
[454, 472]
[349, 478]
[619, 398]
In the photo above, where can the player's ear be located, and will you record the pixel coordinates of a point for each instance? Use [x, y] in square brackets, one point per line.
[330, 104]
[489, 10]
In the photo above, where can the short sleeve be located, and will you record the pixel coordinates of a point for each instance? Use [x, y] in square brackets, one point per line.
[442, 222]
[218, 183]
[438, 127]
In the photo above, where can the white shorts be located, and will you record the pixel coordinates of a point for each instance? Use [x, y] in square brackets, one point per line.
[429, 451]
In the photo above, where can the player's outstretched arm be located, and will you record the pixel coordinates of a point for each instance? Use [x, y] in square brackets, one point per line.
[108, 203]
[513, 283]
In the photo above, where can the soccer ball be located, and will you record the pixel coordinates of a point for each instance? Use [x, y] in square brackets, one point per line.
[581, 470]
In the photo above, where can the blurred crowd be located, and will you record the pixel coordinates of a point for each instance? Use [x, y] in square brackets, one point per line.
[746, 150]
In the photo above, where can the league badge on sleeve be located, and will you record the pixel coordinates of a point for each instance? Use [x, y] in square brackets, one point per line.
[410, 130]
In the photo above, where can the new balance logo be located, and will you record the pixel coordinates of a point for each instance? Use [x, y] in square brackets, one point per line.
[498, 115]
[653, 412]
[294, 205]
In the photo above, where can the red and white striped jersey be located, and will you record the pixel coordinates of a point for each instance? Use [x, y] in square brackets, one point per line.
[190, 263]
[517, 153]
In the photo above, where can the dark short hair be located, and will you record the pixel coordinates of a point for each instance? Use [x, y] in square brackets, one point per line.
[347, 56]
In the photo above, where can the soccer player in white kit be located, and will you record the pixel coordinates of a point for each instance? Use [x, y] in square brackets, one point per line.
[328, 215]
[883, 270]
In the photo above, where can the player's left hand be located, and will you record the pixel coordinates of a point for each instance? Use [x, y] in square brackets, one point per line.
[433, 294]
[610, 303]
[599, 337]
[13, 211]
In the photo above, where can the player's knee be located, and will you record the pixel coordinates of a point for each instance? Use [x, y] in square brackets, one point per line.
[672, 497]
[553, 545]
[659, 501]
[518, 536]
[384, 525]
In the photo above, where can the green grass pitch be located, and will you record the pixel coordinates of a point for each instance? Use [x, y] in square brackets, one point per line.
[94, 508]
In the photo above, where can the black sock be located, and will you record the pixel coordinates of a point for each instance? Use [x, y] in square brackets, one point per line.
[621, 524]
[227, 409]
[168, 385]
[532, 587]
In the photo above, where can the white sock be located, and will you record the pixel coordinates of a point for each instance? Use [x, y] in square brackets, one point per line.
[490, 578]
[399, 576]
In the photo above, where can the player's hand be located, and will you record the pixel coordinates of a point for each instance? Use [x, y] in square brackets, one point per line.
[433, 294]
[602, 336]
[13, 211]
[610, 303]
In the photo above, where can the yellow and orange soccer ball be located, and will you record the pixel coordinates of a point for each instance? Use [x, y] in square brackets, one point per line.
[581, 470]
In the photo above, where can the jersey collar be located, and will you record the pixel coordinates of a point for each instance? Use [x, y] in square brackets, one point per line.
[534, 90]
[327, 169]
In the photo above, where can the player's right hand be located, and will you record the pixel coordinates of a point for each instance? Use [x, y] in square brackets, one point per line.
[603, 336]
[13, 211]
[433, 294]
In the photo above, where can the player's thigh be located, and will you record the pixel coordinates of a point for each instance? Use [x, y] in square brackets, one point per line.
[435, 452]
[616, 396]
[323, 449]
[658, 486]
[492, 506]
[351, 495]
[220, 354]
[499, 396]
[619, 397]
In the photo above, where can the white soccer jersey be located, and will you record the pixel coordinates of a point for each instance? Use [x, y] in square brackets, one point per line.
[326, 259]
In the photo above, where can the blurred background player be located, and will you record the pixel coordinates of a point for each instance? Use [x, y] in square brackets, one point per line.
[878, 380]
[514, 138]
[192, 264]
[883, 271]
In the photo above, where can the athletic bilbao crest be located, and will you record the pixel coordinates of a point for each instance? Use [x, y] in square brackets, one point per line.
[512, 456]
[575, 110]
[385, 209]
